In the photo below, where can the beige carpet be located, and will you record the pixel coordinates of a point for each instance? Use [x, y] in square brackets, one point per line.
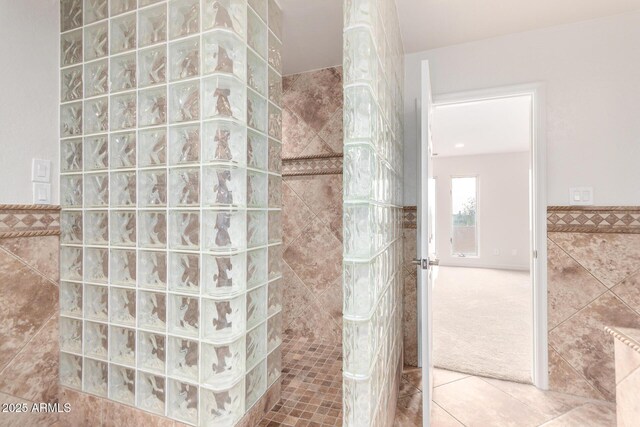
[482, 322]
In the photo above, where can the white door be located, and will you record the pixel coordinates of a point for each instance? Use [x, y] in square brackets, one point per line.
[426, 257]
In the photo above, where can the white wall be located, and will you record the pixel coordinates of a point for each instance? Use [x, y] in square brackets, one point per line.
[503, 208]
[592, 75]
[29, 87]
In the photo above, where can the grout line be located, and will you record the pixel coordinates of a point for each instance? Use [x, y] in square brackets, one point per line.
[26, 264]
[450, 414]
[575, 371]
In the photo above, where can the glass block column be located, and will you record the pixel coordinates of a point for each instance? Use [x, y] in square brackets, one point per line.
[372, 327]
[170, 127]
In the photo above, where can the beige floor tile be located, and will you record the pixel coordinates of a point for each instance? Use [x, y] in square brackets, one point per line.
[441, 418]
[444, 376]
[589, 415]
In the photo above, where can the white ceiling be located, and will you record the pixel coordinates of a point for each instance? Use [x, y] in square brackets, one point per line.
[482, 127]
[313, 28]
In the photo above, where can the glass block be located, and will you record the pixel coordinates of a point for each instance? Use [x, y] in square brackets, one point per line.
[71, 298]
[275, 18]
[257, 73]
[256, 228]
[122, 6]
[256, 189]
[275, 122]
[71, 48]
[184, 315]
[361, 57]
[96, 41]
[123, 33]
[123, 228]
[260, 7]
[274, 366]
[275, 156]
[123, 111]
[223, 319]
[71, 84]
[222, 408]
[71, 335]
[152, 311]
[256, 306]
[275, 87]
[122, 384]
[152, 392]
[95, 10]
[152, 270]
[359, 171]
[96, 78]
[184, 230]
[123, 72]
[123, 268]
[96, 302]
[184, 58]
[256, 33]
[360, 342]
[183, 358]
[257, 150]
[275, 226]
[224, 141]
[152, 66]
[96, 115]
[224, 53]
[122, 345]
[257, 272]
[256, 111]
[152, 229]
[70, 14]
[224, 231]
[96, 377]
[183, 401]
[71, 155]
[147, 2]
[275, 53]
[256, 384]
[185, 272]
[152, 352]
[152, 147]
[152, 26]
[225, 97]
[223, 186]
[184, 187]
[71, 227]
[96, 340]
[96, 265]
[274, 331]
[71, 119]
[223, 364]
[153, 107]
[358, 231]
[224, 274]
[184, 18]
[71, 370]
[184, 101]
[275, 264]
[226, 15]
[70, 263]
[184, 144]
[359, 296]
[96, 190]
[274, 298]
[360, 121]
[153, 188]
[123, 189]
[275, 191]
[96, 153]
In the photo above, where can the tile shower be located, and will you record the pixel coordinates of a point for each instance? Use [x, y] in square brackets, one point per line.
[170, 126]
[372, 276]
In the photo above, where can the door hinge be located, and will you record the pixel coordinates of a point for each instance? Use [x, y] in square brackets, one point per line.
[535, 254]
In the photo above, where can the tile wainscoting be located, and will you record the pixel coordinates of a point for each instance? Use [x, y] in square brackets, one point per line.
[593, 282]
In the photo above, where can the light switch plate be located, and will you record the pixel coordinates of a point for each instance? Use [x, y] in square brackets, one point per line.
[41, 170]
[41, 193]
[581, 196]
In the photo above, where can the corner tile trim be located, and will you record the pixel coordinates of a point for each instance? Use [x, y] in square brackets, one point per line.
[410, 217]
[29, 220]
[321, 164]
[594, 219]
[624, 338]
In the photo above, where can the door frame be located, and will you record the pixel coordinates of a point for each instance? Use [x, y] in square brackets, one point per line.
[538, 208]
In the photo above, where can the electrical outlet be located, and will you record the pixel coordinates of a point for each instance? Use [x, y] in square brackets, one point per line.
[41, 193]
[581, 196]
[41, 170]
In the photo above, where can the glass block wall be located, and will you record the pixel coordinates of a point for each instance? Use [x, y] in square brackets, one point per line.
[373, 134]
[170, 128]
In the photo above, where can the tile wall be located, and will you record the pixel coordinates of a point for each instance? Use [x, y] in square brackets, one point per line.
[372, 281]
[170, 127]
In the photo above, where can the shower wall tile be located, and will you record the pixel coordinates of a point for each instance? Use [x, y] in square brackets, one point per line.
[171, 154]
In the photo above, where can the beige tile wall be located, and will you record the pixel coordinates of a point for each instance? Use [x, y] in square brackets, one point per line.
[312, 206]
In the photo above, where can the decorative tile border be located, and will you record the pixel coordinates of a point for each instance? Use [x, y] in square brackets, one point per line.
[320, 164]
[410, 217]
[624, 336]
[29, 220]
[594, 219]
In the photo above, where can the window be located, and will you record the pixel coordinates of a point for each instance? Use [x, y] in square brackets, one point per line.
[464, 206]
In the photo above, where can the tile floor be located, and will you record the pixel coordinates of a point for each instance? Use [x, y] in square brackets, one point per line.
[465, 400]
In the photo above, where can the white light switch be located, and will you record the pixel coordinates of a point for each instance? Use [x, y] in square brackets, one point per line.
[41, 193]
[41, 170]
[581, 196]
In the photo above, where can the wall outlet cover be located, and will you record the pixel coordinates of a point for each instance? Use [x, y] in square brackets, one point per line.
[41, 170]
[581, 196]
[41, 193]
